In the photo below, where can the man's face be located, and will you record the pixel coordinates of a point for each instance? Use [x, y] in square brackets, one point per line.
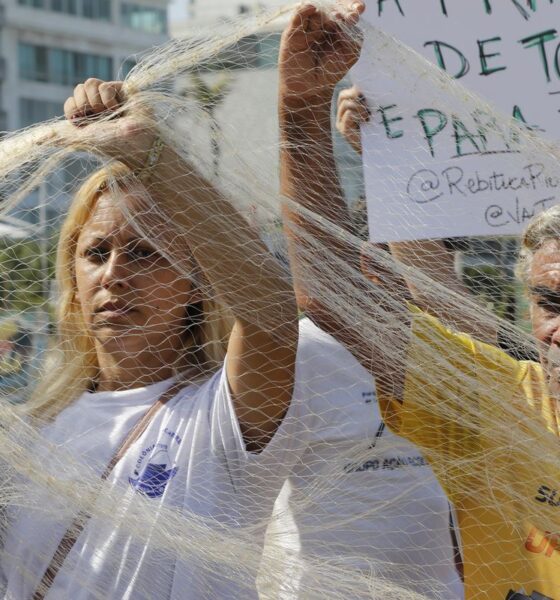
[544, 288]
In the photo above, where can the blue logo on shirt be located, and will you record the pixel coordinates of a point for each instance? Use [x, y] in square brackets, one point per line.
[153, 480]
[154, 477]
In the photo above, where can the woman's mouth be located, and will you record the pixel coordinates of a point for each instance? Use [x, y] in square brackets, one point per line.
[114, 310]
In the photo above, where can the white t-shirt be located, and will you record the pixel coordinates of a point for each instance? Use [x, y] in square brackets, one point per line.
[190, 463]
[360, 496]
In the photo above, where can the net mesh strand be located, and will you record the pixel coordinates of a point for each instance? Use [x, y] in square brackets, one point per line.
[362, 514]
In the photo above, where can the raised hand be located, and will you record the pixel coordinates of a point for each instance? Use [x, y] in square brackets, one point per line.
[93, 97]
[127, 138]
[317, 50]
[352, 111]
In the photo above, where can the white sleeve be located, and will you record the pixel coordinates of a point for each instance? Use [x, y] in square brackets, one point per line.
[273, 465]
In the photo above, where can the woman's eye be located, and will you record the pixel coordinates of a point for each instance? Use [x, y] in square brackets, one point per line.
[548, 305]
[141, 252]
[96, 253]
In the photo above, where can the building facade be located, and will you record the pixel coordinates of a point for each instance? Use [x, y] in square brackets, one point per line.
[204, 13]
[48, 46]
[208, 11]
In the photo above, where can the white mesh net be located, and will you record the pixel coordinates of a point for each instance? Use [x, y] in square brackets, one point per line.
[403, 445]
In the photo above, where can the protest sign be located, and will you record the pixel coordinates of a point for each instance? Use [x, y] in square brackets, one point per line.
[438, 162]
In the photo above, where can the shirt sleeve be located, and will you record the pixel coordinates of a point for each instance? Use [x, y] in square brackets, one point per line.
[270, 467]
[455, 390]
[287, 444]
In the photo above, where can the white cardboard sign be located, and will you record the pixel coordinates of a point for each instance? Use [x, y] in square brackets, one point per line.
[435, 163]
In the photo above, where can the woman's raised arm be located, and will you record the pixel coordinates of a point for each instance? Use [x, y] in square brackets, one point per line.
[237, 266]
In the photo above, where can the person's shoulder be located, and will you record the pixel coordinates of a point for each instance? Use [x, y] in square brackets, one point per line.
[205, 383]
[204, 399]
[317, 346]
[532, 371]
[325, 360]
[312, 336]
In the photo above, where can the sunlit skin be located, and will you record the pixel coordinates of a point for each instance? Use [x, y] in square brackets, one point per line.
[544, 286]
[132, 300]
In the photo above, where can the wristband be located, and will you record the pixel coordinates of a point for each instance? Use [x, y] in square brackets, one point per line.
[145, 173]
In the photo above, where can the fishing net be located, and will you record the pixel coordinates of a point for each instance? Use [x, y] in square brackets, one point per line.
[443, 468]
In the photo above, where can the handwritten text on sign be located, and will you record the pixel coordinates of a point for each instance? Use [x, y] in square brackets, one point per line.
[438, 163]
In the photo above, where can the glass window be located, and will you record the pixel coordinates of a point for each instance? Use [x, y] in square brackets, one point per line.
[104, 68]
[144, 18]
[83, 66]
[33, 62]
[26, 60]
[90, 9]
[268, 49]
[65, 6]
[58, 66]
[55, 65]
[78, 66]
[33, 3]
[126, 67]
[97, 9]
[33, 111]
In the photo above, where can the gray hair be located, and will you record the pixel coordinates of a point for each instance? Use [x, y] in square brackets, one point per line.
[543, 228]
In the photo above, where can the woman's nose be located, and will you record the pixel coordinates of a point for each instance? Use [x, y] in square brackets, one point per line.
[116, 270]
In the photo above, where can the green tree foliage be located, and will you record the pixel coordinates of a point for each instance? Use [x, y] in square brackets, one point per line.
[24, 274]
[492, 287]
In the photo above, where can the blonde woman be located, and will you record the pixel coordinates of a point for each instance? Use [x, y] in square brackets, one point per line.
[142, 395]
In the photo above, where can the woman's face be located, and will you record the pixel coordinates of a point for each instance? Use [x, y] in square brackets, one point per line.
[132, 299]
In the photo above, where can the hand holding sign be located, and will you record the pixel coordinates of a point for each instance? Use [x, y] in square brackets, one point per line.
[439, 160]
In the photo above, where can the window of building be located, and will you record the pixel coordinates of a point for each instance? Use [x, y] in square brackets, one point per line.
[97, 9]
[33, 111]
[65, 67]
[126, 66]
[268, 50]
[33, 62]
[33, 3]
[144, 18]
[69, 7]
[90, 9]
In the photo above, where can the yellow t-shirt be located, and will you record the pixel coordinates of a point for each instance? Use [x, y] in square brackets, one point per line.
[490, 431]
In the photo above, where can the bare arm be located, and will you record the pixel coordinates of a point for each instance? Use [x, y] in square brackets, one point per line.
[245, 278]
[316, 53]
[432, 258]
[234, 261]
[307, 166]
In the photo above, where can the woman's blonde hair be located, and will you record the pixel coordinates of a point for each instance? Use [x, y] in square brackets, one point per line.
[541, 229]
[72, 367]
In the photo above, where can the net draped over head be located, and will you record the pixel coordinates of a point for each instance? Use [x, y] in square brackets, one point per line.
[362, 515]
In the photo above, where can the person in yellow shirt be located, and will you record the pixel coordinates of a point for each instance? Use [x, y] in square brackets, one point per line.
[434, 410]
[488, 423]
[508, 507]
